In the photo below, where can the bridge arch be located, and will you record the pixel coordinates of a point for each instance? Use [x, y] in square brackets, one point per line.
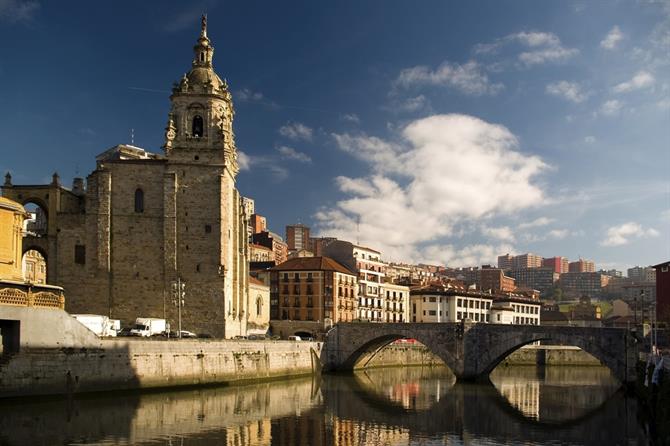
[472, 351]
[495, 343]
[356, 350]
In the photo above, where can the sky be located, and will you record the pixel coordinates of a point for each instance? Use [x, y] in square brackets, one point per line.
[439, 132]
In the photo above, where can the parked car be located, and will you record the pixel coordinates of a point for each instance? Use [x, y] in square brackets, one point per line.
[125, 331]
[256, 337]
[294, 338]
[188, 334]
[239, 338]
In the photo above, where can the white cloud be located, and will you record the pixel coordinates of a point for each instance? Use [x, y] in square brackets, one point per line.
[665, 215]
[589, 139]
[14, 11]
[612, 39]
[541, 221]
[558, 233]
[449, 169]
[292, 154]
[296, 131]
[571, 91]
[414, 104]
[248, 162]
[243, 160]
[468, 78]
[472, 255]
[642, 79]
[351, 117]
[621, 235]
[503, 233]
[246, 95]
[611, 107]
[540, 47]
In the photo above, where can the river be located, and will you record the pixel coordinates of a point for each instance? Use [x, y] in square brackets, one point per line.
[388, 406]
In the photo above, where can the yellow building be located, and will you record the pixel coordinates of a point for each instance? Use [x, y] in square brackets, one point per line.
[12, 216]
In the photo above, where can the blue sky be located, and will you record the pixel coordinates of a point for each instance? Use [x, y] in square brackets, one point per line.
[446, 132]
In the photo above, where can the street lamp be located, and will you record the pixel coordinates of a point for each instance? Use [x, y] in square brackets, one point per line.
[178, 298]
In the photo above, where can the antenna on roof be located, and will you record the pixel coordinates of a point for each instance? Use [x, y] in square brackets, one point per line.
[358, 230]
[132, 137]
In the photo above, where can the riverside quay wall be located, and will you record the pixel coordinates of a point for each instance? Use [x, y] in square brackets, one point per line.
[46, 351]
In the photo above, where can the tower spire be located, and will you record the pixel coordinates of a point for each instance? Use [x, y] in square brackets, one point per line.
[203, 26]
[203, 49]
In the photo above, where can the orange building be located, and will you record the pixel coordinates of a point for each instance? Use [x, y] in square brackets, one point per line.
[313, 289]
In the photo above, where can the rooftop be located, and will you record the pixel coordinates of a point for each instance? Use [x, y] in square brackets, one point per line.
[312, 264]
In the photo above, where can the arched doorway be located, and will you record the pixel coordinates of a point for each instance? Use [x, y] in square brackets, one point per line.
[37, 224]
[34, 265]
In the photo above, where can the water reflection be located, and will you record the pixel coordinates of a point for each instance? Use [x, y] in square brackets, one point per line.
[555, 394]
[410, 406]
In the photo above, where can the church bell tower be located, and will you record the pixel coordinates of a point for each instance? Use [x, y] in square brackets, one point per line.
[207, 246]
[200, 123]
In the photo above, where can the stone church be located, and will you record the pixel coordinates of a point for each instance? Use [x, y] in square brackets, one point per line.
[143, 221]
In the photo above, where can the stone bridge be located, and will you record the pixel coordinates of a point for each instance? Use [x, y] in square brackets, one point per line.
[472, 350]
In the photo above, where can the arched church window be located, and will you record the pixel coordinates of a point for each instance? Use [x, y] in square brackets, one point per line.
[259, 305]
[197, 126]
[139, 200]
[202, 57]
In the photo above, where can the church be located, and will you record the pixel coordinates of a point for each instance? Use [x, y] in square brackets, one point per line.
[144, 222]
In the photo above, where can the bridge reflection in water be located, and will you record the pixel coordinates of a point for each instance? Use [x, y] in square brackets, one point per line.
[388, 406]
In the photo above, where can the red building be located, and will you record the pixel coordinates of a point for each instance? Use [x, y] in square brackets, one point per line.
[663, 292]
[558, 264]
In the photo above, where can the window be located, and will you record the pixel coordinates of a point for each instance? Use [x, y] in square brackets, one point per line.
[139, 201]
[197, 128]
[432, 298]
[259, 305]
[459, 315]
[460, 302]
[432, 313]
[80, 254]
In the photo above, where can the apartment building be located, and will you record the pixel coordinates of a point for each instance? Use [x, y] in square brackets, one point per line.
[437, 303]
[313, 289]
[370, 270]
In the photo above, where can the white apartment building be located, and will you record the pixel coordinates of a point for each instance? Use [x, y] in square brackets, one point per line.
[396, 302]
[371, 274]
[442, 304]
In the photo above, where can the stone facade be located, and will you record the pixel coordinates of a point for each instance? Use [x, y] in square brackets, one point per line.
[145, 219]
[12, 216]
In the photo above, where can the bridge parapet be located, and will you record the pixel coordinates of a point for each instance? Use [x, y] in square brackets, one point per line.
[470, 350]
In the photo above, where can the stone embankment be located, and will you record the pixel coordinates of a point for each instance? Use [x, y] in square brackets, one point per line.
[58, 355]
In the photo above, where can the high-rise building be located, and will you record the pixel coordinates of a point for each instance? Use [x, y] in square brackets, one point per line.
[578, 284]
[558, 264]
[527, 261]
[505, 262]
[258, 224]
[541, 279]
[297, 237]
[642, 274]
[582, 266]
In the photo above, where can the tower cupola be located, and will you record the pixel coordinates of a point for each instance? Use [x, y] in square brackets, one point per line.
[204, 51]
